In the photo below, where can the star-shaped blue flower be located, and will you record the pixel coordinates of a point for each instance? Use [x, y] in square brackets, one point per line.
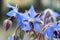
[20, 17]
[35, 20]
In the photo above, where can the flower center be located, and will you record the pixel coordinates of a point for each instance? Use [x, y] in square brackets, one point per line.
[31, 20]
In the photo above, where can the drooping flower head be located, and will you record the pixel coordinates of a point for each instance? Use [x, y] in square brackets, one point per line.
[52, 13]
[48, 13]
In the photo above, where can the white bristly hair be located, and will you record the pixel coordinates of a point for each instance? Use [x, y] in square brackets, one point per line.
[46, 10]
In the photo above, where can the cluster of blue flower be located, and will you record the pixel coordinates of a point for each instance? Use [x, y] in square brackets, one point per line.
[39, 22]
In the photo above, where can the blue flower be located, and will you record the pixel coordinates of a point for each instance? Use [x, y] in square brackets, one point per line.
[19, 17]
[49, 30]
[35, 20]
[30, 16]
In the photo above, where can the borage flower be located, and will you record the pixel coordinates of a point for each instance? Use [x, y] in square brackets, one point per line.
[20, 17]
[33, 19]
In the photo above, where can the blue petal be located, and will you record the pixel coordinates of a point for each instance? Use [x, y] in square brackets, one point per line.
[37, 27]
[11, 13]
[36, 19]
[49, 32]
[58, 27]
[54, 24]
[9, 6]
[25, 15]
[50, 29]
[10, 38]
[55, 14]
[32, 11]
[19, 19]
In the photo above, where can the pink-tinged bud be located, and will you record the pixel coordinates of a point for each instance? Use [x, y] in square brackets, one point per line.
[7, 23]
